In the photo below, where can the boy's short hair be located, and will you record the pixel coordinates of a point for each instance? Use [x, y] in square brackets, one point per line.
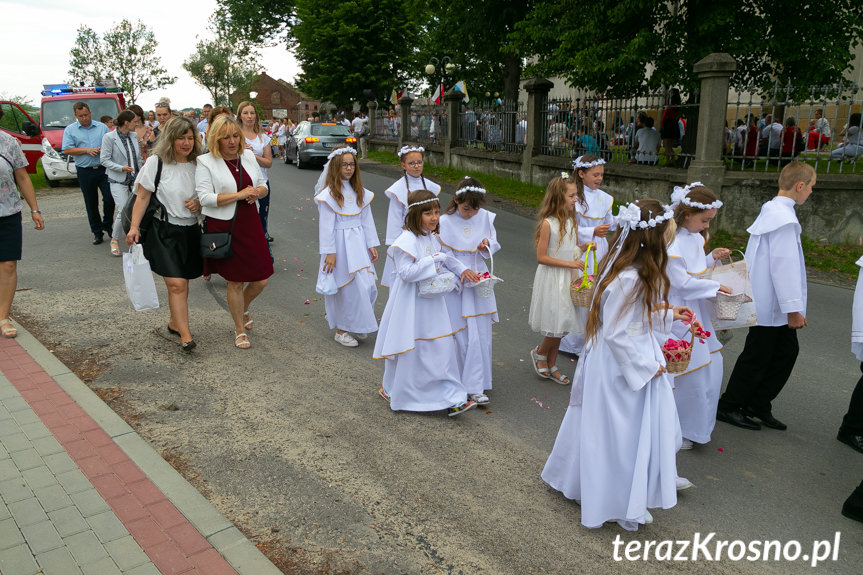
[793, 173]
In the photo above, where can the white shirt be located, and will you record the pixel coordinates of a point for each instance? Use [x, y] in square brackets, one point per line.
[176, 185]
[648, 143]
[357, 125]
[257, 145]
[774, 258]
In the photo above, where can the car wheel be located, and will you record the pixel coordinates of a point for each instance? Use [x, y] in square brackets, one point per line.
[52, 183]
[286, 156]
[300, 164]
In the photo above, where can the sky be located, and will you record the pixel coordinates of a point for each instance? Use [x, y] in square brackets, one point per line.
[44, 32]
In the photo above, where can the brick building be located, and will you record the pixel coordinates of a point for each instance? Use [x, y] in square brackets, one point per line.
[278, 98]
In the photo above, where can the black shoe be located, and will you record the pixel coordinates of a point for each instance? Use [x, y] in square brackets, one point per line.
[855, 442]
[97, 239]
[736, 417]
[767, 419]
[853, 507]
[173, 331]
[269, 238]
[189, 346]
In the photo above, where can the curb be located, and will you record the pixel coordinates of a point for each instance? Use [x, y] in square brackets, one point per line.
[225, 538]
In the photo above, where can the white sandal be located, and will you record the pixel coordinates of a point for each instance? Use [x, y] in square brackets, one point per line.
[249, 324]
[562, 380]
[540, 371]
[242, 344]
[7, 329]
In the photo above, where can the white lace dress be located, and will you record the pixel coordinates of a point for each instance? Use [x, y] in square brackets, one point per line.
[551, 310]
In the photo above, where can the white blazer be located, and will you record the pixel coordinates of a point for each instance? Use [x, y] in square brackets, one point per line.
[213, 177]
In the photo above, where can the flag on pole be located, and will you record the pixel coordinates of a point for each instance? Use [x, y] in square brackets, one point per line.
[438, 94]
[460, 87]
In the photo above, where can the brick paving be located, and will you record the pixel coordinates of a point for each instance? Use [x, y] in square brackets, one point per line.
[71, 500]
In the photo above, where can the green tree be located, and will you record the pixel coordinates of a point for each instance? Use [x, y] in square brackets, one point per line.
[261, 22]
[126, 52]
[475, 34]
[622, 47]
[225, 64]
[86, 59]
[358, 45]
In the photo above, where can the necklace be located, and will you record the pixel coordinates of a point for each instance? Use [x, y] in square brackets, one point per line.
[235, 167]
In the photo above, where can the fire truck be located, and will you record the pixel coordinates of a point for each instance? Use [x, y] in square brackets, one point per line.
[57, 113]
[45, 138]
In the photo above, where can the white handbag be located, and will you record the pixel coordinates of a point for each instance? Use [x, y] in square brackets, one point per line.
[442, 283]
[326, 284]
[140, 285]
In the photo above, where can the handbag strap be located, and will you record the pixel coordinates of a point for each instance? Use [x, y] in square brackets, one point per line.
[156, 181]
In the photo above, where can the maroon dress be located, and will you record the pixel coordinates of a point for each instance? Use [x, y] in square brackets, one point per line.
[251, 261]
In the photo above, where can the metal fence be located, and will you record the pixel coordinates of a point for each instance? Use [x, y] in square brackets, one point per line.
[493, 125]
[387, 124]
[607, 127]
[428, 123]
[824, 130]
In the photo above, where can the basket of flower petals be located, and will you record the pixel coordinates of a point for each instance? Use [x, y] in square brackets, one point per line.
[485, 286]
[581, 290]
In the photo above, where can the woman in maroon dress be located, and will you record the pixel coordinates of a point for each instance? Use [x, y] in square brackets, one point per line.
[229, 182]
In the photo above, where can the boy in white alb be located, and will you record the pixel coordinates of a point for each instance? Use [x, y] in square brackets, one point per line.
[777, 271]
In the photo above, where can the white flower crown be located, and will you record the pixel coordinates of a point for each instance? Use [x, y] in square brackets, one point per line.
[680, 196]
[340, 151]
[409, 149]
[428, 201]
[577, 164]
[630, 215]
[470, 189]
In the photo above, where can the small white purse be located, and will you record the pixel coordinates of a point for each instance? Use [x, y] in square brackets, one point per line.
[326, 284]
[442, 283]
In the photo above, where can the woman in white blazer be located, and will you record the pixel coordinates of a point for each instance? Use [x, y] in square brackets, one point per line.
[122, 160]
[229, 182]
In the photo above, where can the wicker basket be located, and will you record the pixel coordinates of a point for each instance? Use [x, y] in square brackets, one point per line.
[579, 290]
[678, 361]
[484, 288]
[728, 305]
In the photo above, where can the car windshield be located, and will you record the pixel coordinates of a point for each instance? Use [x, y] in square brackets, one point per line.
[329, 130]
[57, 114]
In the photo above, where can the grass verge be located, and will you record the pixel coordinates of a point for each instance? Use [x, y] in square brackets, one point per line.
[38, 179]
[525, 194]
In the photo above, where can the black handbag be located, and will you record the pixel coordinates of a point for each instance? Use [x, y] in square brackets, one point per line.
[149, 214]
[217, 245]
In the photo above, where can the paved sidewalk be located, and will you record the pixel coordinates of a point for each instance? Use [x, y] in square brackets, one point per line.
[81, 492]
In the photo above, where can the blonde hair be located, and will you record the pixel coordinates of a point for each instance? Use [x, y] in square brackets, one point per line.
[257, 125]
[554, 206]
[221, 128]
[793, 173]
[172, 130]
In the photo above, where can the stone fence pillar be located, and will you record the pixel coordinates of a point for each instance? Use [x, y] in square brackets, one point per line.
[372, 119]
[405, 129]
[453, 100]
[708, 166]
[537, 108]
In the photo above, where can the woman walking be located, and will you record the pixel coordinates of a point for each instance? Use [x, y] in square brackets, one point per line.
[229, 183]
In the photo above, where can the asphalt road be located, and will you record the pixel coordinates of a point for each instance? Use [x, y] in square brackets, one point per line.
[291, 442]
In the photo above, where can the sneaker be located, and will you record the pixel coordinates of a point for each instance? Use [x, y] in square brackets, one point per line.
[648, 518]
[461, 408]
[683, 483]
[686, 444]
[346, 339]
[383, 393]
[480, 399]
[361, 336]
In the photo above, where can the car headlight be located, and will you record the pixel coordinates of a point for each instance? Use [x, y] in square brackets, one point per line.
[49, 151]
